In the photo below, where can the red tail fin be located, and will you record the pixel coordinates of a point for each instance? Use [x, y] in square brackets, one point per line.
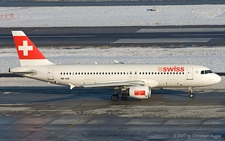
[28, 53]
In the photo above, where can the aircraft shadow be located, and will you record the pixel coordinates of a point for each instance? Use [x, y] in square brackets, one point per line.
[61, 93]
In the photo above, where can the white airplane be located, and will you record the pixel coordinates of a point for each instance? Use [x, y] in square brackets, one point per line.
[129, 80]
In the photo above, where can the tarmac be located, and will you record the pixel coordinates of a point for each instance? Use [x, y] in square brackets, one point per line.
[49, 112]
[149, 36]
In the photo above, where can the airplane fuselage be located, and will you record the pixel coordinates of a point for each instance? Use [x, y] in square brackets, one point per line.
[159, 75]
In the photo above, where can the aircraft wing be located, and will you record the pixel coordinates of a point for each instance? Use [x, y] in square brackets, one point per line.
[115, 84]
[149, 82]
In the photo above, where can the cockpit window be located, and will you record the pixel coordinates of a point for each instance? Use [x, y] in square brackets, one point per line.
[206, 71]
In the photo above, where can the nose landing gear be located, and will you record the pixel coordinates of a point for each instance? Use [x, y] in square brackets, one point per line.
[191, 94]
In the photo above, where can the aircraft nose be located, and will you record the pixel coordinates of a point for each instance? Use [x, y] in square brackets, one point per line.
[217, 78]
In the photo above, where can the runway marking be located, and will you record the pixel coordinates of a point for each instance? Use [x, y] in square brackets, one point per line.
[64, 130]
[181, 30]
[108, 138]
[164, 40]
[118, 131]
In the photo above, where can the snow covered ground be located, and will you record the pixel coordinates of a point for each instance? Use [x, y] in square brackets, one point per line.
[112, 16]
[213, 58]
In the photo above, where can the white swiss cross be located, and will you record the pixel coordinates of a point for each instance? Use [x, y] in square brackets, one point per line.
[25, 48]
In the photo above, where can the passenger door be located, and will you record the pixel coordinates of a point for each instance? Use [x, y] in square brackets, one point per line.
[50, 73]
[190, 73]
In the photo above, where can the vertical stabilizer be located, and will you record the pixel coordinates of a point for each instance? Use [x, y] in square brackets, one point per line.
[28, 53]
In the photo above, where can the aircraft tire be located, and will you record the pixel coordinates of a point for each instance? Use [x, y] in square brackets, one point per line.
[114, 97]
[192, 95]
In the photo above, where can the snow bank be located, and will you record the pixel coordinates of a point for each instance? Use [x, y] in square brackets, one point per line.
[213, 58]
[112, 16]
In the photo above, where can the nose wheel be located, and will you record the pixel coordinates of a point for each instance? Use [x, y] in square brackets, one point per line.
[114, 97]
[191, 95]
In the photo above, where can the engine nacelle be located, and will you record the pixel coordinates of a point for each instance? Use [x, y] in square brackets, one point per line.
[140, 92]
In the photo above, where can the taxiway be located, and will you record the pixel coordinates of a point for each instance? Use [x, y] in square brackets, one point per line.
[165, 36]
[57, 113]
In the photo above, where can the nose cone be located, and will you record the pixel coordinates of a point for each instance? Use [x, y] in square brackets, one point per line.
[217, 79]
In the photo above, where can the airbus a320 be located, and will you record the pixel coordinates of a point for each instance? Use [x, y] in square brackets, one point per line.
[128, 80]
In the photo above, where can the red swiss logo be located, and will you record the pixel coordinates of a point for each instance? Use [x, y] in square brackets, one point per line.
[171, 69]
[139, 92]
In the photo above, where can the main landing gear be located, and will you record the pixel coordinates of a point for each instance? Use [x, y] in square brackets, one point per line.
[191, 94]
[115, 97]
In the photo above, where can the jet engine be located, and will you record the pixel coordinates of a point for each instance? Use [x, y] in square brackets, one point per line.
[139, 92]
